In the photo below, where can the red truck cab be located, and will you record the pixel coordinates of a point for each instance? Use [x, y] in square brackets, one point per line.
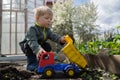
[46, 58]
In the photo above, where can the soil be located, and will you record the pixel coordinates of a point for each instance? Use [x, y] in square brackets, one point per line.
[15, 71]
[10, 71]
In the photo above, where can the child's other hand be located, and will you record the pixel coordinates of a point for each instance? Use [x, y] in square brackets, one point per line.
[62, 40]
[39, 53]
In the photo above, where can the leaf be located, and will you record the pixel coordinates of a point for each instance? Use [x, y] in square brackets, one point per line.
[118, 27]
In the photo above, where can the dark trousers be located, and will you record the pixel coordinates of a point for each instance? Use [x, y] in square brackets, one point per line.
[32, 62]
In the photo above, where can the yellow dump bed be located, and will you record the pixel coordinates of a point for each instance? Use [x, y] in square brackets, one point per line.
[73, 54]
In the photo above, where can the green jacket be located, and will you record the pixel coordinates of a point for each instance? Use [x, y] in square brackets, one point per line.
[36, 39]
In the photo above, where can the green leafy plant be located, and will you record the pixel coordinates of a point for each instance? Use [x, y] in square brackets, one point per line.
[95, 47]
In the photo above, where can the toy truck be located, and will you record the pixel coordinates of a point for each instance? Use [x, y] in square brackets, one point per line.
[48, 67]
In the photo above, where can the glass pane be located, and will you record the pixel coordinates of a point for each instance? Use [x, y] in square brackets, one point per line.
[20, 22]
[20, 37]
[13, 27]
[6, 28]
[6, 1]
[21, 28]
[13, 43]
[20, 17]
[6, 4]
[5, 21]
[23, 1]
[39, 2]
[22, 4]
[6, 17]
[13, 21]
[29, 7]
[13, 17]
[15, 4]
[31, 18]
[5, 43]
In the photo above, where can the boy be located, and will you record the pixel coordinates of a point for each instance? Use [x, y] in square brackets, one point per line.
[38, 44]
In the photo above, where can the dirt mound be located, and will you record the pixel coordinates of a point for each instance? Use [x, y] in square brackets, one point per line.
[8, 71]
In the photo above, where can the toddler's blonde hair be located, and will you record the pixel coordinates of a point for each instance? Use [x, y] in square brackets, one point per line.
[42, 10]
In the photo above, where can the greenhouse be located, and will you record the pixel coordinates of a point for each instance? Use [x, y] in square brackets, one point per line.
[17, 15]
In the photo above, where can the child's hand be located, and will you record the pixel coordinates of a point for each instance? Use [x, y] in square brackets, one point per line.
[39, 53]
[62, 40]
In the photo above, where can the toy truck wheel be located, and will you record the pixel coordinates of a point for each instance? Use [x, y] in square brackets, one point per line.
[70, 72]
[48, 72]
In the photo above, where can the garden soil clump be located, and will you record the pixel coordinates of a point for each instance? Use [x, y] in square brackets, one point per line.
[8, 71]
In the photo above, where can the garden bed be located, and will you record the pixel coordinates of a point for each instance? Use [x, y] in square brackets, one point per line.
[110, 63]
[99, 67]
[15, 71]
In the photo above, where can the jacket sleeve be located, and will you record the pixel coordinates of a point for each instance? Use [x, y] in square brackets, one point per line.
[54, 37]
[33, 40]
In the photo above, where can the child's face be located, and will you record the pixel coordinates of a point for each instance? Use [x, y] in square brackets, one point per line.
[45, 20]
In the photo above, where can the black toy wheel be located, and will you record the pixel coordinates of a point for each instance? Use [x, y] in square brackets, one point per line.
[48, 72]
[70, 72]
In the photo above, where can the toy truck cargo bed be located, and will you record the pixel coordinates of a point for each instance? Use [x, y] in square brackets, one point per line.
[73, 54]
